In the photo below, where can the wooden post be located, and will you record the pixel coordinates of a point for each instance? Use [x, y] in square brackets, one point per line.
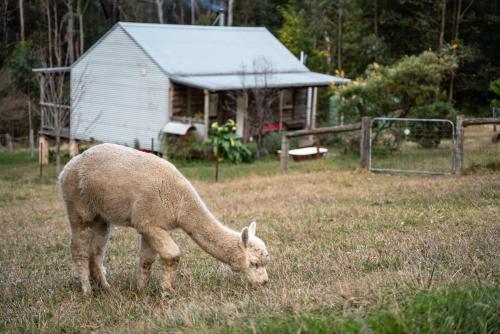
[459, 146]
[308, 107]
[284, 152]
[365, 142]
[31, 133]
[43, 150]
[8, 140]
[42, 100]
[206, 110]
[314, 107]
[494, 116]
[281, 109]
[74, 150]
[246, 126]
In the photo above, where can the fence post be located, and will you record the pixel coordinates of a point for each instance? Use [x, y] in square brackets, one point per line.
[43, 150]
[73, 148]
[284, 153]
[365, 142]
[495, 110]
[459, 146]
[8, 140]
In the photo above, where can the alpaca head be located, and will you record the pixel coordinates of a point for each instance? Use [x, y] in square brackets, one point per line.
[253, 261]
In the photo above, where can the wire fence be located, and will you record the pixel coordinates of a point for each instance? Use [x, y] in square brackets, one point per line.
[9, 143]
[412, 145]
[481, 147]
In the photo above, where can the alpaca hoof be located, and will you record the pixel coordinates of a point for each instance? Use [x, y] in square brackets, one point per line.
[87, 293]
[141, 285]
[166, 294]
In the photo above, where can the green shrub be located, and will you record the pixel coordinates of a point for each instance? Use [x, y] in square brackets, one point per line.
[187, 147]
[252, 152]
[272, 143]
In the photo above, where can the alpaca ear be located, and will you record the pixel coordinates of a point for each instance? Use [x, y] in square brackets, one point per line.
[251, 229]
[244, 237]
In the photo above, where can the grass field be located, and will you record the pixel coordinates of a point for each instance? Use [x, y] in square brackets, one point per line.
[352, 252]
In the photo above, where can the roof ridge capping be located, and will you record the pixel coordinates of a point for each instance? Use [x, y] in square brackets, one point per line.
[186, 26]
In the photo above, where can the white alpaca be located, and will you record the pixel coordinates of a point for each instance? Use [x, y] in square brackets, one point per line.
[111, 184]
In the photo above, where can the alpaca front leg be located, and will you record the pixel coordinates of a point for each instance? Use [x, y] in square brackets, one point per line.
[168, 251]
[169, 271]
[147, 256]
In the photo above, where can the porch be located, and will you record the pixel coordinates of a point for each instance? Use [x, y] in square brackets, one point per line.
[289, 108]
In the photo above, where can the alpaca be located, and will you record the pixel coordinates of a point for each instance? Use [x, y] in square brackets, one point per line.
[112, 184]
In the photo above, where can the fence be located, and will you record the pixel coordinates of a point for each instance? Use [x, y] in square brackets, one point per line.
[9, 143]
[478, 144]
[430, 146]
[364, 143]
[411, 145]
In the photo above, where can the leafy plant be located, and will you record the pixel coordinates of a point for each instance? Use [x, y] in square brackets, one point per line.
[398, 90]
[495, 88]
[225, 144]
[137, 144]
[186, 147]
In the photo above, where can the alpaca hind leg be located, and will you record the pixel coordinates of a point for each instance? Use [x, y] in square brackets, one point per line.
[147, 256]
[81, 235]
[98, 246]
[168, 251]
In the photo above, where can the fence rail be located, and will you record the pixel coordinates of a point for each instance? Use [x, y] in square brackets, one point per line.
[480, 121]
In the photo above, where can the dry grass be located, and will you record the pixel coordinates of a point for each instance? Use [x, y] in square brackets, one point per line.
[343, 240]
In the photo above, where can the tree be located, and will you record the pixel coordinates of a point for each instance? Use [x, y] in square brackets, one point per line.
[262, 97]
[293, 33]
[399, 90]
[55, 103]
[21, 21]
[225, 144]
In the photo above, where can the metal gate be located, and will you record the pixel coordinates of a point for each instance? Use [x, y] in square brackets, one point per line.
[412, 145]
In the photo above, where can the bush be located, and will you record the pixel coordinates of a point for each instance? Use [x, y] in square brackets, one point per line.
[185, 147]
[272, 143]
[411, 86]
[252, 152]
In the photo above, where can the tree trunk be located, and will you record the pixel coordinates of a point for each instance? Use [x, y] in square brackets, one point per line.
[49, 28]
[193, 12]
[452, 83]
[159, 7]
[22, 36]
[182, 12]
[230, 8]
[443, 24]
[217, 167]
[80, 13]
[70, 32]
[339, 38]
[375, 17]
[328, 44]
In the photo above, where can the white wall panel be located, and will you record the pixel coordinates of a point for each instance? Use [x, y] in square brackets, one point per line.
[118, 93]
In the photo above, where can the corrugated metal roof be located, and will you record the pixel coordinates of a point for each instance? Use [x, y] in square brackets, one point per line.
[198, 50]
[247, 81]
[213, 58]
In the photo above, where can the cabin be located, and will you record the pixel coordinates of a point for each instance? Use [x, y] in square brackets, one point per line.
[141, 80]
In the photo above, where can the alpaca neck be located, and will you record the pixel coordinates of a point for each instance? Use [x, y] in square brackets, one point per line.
[213, 237]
